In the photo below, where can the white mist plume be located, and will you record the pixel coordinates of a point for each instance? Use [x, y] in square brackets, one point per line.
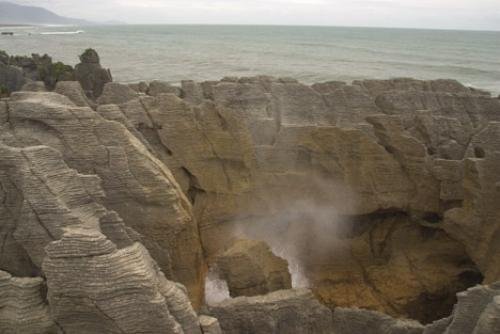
[216, 289]
[301, 231]
[304, 230]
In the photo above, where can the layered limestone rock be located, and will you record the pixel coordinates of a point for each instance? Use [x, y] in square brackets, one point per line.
[209, 325]
[38, 86]
[73, 90]
[91, 75]
[354, 321]
[251, 150]
[22, 306]
[52, 215]
[135, 185]
[399, 266]
[115, 93]
[285, 311]
[115, 290]
[250, 269]
[476, 223]
[380, 194]
[477, 312]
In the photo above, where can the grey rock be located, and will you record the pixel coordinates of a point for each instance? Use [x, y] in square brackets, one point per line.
[209, 325]
[136, 184]
[115, 93]
[192, 91]
[4, 57]
[22, 306]
[91, 75]
[139, 87]
[157, 87]
[280, 312]
[116, 290]
[34, 86]
[477, 311]
[90, 56]
[73, 90]
[354, 321]
[38, 68]
[4, 112]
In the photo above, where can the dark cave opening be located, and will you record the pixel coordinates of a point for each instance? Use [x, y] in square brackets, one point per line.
[381, 227]
[431, 307]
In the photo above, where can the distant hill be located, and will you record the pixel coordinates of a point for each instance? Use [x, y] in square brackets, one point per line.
[11, 13]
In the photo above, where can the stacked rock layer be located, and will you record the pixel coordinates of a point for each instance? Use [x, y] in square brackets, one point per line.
[382, 194]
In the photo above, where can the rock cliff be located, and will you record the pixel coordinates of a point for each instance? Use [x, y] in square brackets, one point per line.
[115, 199]
[346, 180]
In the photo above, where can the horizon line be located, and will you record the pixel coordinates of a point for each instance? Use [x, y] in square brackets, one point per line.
[94, 23]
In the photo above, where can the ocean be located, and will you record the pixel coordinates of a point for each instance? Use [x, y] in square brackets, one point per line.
[309, 54]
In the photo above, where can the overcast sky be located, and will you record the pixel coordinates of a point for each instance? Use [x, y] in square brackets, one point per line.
[446, 14]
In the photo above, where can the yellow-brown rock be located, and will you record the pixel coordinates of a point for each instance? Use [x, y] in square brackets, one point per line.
[250, 269]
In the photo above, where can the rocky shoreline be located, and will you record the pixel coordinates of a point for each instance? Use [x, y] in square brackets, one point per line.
[326, 208]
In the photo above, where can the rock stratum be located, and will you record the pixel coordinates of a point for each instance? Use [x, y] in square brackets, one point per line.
[380, 196]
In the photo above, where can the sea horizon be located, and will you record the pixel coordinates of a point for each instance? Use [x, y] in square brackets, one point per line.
[101, 24]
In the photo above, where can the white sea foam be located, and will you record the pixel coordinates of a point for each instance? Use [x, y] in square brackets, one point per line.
[62, 32]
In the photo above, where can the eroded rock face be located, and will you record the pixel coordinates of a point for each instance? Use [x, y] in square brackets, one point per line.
[116, 290]
[259, 149]
[354, 321]
[91, 75]
[136, 185]
[99, 278]
[476, 312]
[115, 93]
[209, 325]
[250, 269]
[480, 211]
[285, 311]
[22, 306]
[398, 265]
[383, 193]
[73, 90]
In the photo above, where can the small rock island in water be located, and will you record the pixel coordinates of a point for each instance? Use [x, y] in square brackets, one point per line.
[363, 207]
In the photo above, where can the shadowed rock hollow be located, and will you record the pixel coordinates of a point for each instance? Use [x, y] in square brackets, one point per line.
[381, 195]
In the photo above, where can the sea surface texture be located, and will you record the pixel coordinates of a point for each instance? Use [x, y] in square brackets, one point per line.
[310, 54]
